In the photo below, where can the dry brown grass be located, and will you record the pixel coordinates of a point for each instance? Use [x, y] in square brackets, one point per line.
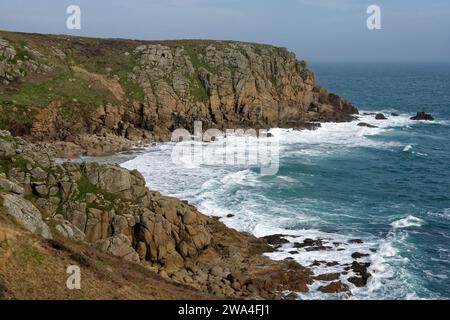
[36, 269]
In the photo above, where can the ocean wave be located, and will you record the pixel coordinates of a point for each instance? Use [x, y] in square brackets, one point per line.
[408, 148]
[409, 221]
[444, 214]
[229, 192]
[347, 134]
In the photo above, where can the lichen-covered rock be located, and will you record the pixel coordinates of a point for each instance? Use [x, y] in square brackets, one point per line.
[7, 149]
[119, 246]
[114, 179]
[26, 214]
[9, 186]
[70, 231]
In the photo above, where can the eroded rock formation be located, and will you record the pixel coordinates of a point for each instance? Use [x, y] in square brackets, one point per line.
[109, 208]
[87, 91]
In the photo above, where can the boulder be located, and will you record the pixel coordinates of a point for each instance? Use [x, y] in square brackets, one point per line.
[114, 179]
[362, 274]
[328, 277]
[358, 281]
[9, 186]
[38, 173]
[109, 178]
[335, 287]
[423, 116]
[70, 231]
[276, 240]
[380, 116]
[119, 246]
[42, 190]
[26, 214]
[7, 149]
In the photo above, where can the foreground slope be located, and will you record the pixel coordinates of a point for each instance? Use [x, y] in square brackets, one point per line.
[32, 267]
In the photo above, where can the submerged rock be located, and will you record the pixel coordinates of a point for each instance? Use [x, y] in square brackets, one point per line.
[380, 116]
[363, 124]
[355, 241]
[358, 255]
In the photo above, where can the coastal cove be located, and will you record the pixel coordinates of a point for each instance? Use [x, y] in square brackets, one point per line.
[353, 190]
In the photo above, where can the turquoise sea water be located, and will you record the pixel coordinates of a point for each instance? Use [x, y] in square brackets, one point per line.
[389, 186]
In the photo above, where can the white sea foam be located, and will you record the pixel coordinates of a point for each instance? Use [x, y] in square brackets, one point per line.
[347, 134]
[409, 221]
[408, 148]
[444, 214]
[228, 192]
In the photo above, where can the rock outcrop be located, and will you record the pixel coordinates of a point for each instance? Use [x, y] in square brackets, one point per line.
[140, 91]
[26, 214]
[110, 209]
[423, 116]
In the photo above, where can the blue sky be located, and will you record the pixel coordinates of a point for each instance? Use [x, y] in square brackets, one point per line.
[317, 30]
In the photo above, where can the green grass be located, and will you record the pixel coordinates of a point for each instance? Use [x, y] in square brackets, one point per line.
[21, 54]
[21, 163]
[30, 94]
[8, 138]
[27, 254]
[133, 90]
[120, 64]
[78, 96]
[194, 54]
[197, 90]
[7, 165]
[85, 187]
[66, 86]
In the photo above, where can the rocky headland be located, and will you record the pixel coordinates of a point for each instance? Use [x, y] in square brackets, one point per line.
[100, 96]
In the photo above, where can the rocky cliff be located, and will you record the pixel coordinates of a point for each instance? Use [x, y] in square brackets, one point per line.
[86, 207]
[87, 92]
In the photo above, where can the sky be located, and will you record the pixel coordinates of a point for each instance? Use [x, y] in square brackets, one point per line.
[317, 30]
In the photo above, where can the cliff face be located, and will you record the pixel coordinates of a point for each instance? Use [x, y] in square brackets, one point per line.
[90, 207]
[64, 88]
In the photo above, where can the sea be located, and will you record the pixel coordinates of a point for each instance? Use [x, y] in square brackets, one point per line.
[388, 187]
